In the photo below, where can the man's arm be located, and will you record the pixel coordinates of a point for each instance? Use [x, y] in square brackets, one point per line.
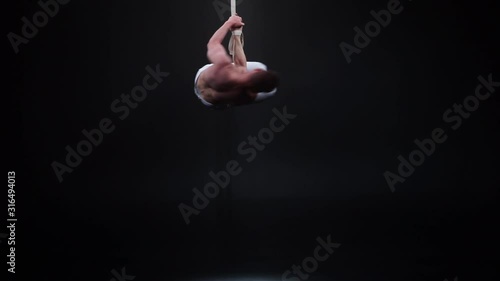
[216, 53]
[239, 55]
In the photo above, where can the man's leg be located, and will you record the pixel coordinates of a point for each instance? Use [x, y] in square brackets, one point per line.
[253, 65]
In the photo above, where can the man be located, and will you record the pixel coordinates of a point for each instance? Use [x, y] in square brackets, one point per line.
[225, 82]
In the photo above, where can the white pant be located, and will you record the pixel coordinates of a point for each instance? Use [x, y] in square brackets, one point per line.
[251, 65]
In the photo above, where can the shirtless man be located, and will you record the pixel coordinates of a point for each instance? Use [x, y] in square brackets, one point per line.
[225, 82]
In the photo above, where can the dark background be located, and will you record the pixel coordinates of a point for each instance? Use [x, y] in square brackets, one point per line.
[322, 176]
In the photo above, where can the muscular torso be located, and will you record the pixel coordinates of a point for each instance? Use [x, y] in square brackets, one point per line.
[220, 85]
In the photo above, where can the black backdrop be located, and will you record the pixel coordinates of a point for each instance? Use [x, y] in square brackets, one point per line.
[323, 175]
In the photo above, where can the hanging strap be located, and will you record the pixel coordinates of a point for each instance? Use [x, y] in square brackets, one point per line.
[233, 7]
[238, 31]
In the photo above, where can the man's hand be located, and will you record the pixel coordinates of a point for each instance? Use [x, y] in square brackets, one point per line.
[235, 22]
[215, 51]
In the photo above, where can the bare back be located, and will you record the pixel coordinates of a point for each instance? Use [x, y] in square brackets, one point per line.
[223, 85]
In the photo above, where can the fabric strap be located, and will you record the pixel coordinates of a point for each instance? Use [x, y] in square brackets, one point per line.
[236, 32]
